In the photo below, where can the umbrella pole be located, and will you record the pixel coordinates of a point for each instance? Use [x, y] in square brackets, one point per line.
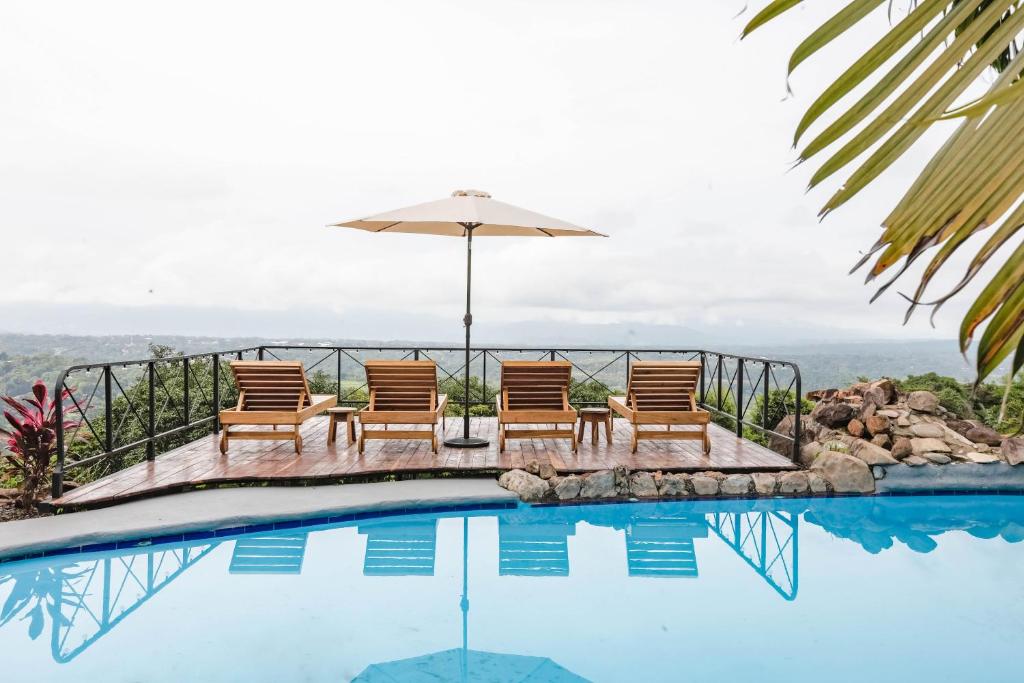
[467, 441]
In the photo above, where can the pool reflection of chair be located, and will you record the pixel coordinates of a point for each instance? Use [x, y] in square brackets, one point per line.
[533, 549]
[276, 554]
[663, 546]
[400, 547]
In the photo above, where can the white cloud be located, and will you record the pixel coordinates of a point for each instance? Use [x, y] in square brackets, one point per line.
[192, 157]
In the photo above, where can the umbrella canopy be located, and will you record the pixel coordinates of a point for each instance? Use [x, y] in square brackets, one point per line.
[464, 214]
[481, 667]
[465, 210]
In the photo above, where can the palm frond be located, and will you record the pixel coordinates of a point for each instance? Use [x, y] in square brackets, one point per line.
[939, 52]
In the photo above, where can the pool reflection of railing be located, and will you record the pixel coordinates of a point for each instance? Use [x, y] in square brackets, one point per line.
[767, 541]
[94, 596]
[85, 596]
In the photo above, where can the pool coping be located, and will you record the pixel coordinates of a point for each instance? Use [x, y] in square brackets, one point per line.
[230, 512]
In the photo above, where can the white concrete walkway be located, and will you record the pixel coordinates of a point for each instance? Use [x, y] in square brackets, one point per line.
[228, 508]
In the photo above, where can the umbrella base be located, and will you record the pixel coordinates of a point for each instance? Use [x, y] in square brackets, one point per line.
[467, 442]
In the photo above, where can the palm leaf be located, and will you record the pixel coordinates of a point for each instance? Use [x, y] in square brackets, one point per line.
[913, 77]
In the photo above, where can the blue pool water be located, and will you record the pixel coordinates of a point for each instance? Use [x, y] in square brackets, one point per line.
[883, 589]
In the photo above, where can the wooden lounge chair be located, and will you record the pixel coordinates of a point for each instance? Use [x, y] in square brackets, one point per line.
[275, 393]
[663, 393]
[402, 392]
[535, 393]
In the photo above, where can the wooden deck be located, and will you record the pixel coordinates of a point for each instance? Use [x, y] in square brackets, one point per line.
[200, 462]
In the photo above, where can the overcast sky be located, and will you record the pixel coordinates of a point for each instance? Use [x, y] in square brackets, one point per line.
[189, 155]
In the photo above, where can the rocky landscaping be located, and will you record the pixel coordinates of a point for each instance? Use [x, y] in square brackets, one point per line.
[882, 427]
[854, 439]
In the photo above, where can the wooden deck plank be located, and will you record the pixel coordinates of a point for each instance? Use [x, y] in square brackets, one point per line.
[200, 462]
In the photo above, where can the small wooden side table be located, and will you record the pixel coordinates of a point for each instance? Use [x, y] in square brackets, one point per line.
[594, 417]
[346, 413]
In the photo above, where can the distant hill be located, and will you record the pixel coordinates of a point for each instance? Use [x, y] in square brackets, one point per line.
[26, 357]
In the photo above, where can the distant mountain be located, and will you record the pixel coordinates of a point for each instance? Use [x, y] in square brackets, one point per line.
[25, 357]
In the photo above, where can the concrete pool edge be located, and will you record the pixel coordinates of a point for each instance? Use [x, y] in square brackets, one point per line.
[233, 509]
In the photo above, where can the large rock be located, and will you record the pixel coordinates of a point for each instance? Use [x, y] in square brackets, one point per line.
[985, 435]
[764, 483]
[929, 445]
[1013, 450]
[887, 389]
[923, 401]
[642, 485]
[874, 397]
[793, 482]
[808, 432]
[569, 487]
[927, 430]
[961, 427]
[982, 458]
[528, 487]
[834, 414]
[808, 452]
[914, 461]
[872, 454]
[846, 473]
[546, 470]
[866, 451]
[877, 424]
[621, 473]
[882, 441]
[736, 485]
[817, 483]
[673, 485]
[704, 485]
[599, 485]
[855, 427]
[901, 448]
[937, 458]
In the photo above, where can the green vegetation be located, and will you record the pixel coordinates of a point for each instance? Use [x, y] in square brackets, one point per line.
[31, 431]
[982, 403]
[19, 373]
[130, 415]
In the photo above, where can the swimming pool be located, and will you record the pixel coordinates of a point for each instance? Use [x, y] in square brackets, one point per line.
[890, 588]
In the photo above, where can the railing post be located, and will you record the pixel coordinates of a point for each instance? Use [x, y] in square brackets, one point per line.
[259, 354]
[718, 368]
[338, 371]
[484, 373]
[415, 354]
[764, 413]
[739, 397]
[798, 423]
[216, 393]
[150, 445]
[186, 398]
[108, 410]
[703, 365]
[57, 478]
[552, 356]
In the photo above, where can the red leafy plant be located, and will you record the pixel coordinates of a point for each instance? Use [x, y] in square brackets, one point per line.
[32, 439]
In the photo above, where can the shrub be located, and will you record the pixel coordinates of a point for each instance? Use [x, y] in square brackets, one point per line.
[32, 440]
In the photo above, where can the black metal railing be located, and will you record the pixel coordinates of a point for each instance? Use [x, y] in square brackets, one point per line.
[133, 409]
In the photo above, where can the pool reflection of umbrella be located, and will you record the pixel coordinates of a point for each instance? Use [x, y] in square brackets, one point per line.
[465, 213]
[465, 665]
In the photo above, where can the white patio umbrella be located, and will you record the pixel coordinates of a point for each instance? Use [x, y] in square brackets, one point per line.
[465, 214]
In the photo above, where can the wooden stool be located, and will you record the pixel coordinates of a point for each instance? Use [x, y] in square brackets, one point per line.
[348, 414]
[594, 417]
